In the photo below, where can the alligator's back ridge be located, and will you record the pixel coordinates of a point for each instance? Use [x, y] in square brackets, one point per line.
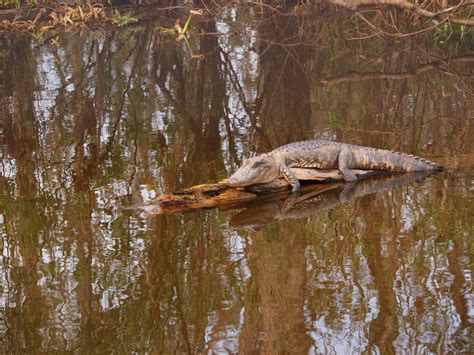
[363, 157]
[311, 144]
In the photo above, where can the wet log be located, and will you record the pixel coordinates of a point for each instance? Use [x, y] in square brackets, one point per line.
[221, 194]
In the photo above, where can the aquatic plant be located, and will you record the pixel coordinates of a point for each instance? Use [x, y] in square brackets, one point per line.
[122, 19]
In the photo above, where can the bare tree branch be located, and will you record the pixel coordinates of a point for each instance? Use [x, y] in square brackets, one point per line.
[442, 14]
[355, 76]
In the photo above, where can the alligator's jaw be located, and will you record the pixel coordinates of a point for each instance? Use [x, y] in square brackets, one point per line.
[257, 170]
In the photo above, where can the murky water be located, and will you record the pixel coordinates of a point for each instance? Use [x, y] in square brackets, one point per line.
[109, 119]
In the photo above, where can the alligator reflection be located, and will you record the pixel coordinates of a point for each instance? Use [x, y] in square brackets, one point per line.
[319, 198]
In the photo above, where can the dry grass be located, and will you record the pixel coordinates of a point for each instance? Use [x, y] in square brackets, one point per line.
[63, 16]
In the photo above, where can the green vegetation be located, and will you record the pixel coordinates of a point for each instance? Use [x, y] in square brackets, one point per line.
[451, 32]
[122, 19]
[38, 36]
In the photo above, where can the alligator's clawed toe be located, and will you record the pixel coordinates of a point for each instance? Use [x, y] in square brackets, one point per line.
[349, 176]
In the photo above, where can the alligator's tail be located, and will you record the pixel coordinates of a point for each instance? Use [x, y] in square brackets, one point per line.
[371, 158]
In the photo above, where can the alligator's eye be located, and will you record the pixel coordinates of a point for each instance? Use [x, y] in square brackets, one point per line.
[259, 163]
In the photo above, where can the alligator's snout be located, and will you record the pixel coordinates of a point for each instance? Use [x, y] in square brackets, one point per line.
[256, 170]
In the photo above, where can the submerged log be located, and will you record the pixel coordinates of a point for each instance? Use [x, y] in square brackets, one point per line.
[221, 194]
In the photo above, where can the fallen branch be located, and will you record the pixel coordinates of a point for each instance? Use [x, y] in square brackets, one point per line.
[221, 194]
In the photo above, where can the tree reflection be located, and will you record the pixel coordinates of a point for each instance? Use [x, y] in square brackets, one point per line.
[96, 123]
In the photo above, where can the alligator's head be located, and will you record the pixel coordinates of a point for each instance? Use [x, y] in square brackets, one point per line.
[256, 170]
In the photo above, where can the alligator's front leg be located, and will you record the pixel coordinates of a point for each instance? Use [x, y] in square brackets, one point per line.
[344, 161]
[290, 177]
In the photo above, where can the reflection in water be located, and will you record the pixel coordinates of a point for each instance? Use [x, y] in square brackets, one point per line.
[105, 120]
[319, 198]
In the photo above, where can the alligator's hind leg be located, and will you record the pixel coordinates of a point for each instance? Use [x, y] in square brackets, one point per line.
[290, 177]
[344, 161]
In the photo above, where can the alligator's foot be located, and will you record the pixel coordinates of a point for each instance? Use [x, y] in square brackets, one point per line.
[348, 175]
[347, 192]
[290, 201]
[290, 177]
[344, 162]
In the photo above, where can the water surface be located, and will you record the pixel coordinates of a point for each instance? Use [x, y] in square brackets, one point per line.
[109, 119]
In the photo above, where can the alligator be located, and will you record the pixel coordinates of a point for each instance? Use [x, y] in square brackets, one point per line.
[320, 154]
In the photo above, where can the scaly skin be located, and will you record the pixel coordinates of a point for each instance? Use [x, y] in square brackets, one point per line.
[320, 154]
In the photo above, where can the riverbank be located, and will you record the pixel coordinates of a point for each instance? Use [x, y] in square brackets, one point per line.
[64, 18]
[37, 17]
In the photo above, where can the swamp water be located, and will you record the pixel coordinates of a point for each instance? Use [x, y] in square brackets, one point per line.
[108, 119]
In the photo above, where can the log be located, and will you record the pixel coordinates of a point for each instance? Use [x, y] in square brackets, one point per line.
[221, 194]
